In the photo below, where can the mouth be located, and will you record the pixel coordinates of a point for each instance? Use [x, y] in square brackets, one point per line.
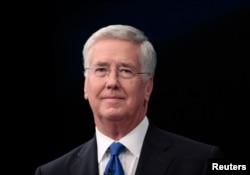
[113, 99]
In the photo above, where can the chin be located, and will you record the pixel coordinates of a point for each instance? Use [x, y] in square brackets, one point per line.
[114, 116]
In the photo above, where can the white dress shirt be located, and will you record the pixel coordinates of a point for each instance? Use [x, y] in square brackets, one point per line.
[133, 143]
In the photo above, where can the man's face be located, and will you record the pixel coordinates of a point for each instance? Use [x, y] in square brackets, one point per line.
[112, 97]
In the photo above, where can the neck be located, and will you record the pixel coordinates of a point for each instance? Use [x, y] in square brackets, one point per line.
[117, 129]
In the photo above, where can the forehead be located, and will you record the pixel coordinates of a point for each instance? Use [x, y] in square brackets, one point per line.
[118, 51]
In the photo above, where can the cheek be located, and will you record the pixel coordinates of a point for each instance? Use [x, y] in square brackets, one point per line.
[92, 88]
[87, 89]
[137, 93]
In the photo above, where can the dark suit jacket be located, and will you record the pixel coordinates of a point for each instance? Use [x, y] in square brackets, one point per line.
[163, 153]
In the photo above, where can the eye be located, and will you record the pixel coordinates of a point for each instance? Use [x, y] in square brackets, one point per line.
[126, 71]
[100, 69]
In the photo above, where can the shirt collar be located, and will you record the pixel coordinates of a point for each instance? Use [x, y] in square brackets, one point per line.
[132, 141]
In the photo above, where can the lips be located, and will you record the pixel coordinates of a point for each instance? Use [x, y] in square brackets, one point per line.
[113, 99]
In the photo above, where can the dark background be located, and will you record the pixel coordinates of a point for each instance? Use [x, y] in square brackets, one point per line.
[202, 78]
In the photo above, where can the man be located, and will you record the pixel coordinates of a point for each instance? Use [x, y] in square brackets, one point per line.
[119, 64]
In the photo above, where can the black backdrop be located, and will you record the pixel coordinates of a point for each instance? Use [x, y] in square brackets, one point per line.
[201, 85]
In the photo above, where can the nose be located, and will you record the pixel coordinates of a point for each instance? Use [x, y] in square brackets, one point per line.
[112, 79]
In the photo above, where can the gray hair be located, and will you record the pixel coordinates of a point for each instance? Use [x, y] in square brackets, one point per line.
[148, 55]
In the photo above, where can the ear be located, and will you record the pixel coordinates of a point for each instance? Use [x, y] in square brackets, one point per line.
[85, 90]
[149, 88]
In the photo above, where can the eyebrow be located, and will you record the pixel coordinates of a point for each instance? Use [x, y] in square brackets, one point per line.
[102, 64]
[105, 64]
[127, 65]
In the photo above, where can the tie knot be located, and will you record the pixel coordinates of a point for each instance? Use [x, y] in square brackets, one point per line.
[116, 148]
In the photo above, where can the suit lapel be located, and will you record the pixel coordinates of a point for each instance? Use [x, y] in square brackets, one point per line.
[86, 161]
[154, 159]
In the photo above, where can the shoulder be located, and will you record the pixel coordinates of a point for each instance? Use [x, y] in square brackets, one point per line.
[181, 145]
[61, 164]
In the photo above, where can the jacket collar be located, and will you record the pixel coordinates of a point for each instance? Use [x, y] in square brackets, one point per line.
[154, 158]
[86, 161]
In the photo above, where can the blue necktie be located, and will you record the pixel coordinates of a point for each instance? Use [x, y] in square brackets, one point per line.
[114, 166]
